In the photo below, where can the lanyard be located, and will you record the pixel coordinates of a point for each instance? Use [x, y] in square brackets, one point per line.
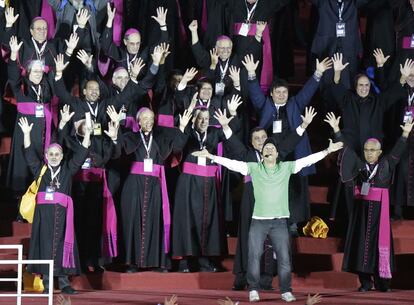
[39, 52]
[410, 99]
[201, 142]
[129, 62]
[94, 112]
[147, 147]
[38, 92]
[258, 157]
[250, 12]
[202, 103]
[340, 10]
[223, 71]
[53, 174]
[373, 173]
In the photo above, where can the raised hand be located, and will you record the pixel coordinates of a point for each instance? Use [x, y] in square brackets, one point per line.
[60, 64]
[338, 65]
[407, 68]
[334, 146]
[407, 127]
[193, 26]
[189, 75]
[214, 58]
[234, 74]
[250, 65]
[332, 121]
[233, 104]
[24, 125]
[111, 14]
[113, 115]
[136, 67]
[161, 16]
[10, 17]
[165, 52]
[112, 131]
[315, 299]
[185, 118]
[310, 113]
[85, 58]
[193, 102]
[227, 301]
[82, 18]
[380, 58]
[157, 55]
[15, 45]
[171, 301]
[222, 118]
[72, 42]
[324, 65]
[61, 300]
[65, 114]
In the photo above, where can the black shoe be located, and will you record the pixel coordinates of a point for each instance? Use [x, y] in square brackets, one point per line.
[132, 269]
[364, 289]
[98, 269]
[239, 283]
[68, 290]
[209, 268]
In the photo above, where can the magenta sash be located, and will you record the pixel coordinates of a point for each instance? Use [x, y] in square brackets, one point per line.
[109, 227]
[131, 123]
[64, 200]
[165, 120]
[406, 42]
[158, 171]
[267, 67]
[30, 109]
[48, 14]
[384, 244]
[247, 179]
[199, 170]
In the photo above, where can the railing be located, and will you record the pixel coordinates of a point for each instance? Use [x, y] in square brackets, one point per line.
[19, 262]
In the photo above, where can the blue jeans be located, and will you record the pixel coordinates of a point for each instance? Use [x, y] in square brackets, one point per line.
[277, 230]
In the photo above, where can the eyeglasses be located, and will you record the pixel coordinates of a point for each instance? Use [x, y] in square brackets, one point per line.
[371, 150]
[225, 48]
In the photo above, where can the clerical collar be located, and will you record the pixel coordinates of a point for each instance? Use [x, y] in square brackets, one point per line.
[279, 105]
[205, 103]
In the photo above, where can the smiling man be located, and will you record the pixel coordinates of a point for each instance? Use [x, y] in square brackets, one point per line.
[270, 179]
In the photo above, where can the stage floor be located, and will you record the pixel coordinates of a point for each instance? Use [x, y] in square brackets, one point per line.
[210, 297]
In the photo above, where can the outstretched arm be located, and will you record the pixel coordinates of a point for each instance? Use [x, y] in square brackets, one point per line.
[234, 165]
[314, 158]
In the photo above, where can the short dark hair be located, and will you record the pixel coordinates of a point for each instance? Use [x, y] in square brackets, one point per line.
[202, 81]
[278, 82]
[256, 129]
[357, 77]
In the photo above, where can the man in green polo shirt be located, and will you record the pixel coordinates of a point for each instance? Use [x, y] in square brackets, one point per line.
[270, 180]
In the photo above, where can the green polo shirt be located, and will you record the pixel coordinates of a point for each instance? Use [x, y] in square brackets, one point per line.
[271, 188]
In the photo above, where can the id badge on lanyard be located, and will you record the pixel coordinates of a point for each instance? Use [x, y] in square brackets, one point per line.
[340, 29]
[97, 130]
[50, 193]
[365, 188]
[412, 42]
[408, 115]
[220, 88]
[202, 161]
[39, 111]
[148, 165]
[244, 29]
[277, 126]
[87, 164]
